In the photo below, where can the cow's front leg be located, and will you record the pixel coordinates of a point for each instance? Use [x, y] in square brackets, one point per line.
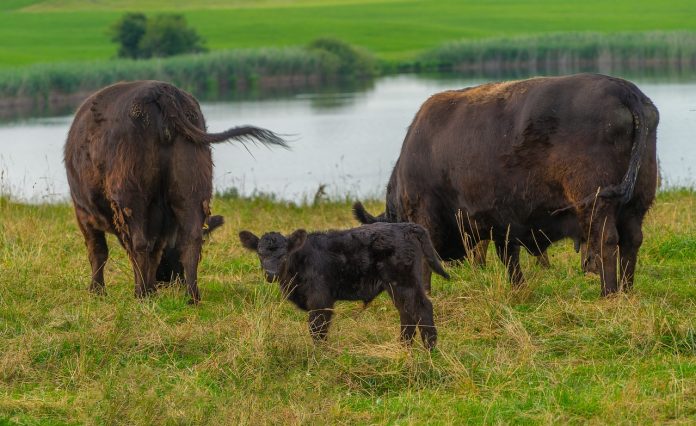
[509, 254]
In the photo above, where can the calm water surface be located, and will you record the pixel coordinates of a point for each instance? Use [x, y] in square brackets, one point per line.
[345, 141]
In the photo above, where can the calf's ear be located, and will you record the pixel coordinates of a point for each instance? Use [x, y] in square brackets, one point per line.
[296, 239]
[249, 240]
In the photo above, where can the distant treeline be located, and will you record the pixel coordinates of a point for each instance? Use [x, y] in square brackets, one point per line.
[220, 74]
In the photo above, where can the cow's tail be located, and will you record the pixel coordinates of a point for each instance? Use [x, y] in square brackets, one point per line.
[178, 111]
[366, 218]
[623, 191]
[212, 223]
[242, 134]
[429, 251]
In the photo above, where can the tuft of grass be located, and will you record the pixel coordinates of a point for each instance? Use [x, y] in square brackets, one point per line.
[551, 352]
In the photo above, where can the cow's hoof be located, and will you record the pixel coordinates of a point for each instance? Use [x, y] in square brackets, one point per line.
[97, 290]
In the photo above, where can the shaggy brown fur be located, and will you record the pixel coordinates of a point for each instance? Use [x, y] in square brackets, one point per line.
[529, 162]
[139, 166]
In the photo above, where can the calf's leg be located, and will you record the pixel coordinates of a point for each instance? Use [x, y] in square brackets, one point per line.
[425, 321]
[400, 298]
[320, 305]
[319, 322]
[415, 310]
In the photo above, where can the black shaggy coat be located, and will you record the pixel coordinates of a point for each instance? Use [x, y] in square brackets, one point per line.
[315, 270]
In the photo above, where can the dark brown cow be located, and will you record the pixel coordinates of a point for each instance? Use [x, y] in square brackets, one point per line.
[530, 162]
[139, 166]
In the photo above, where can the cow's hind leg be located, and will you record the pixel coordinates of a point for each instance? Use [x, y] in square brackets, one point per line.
[602, 244]
[630, 240]
[509, 254]
[97, 251]
[478, 253]
[189, 243]
[145, 262]
[190, 257]
[543, 260]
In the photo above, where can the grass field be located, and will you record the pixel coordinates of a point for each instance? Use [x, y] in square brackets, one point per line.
[553, 352]
[37, 31]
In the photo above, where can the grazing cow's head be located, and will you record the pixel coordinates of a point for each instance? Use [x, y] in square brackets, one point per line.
[273, 249]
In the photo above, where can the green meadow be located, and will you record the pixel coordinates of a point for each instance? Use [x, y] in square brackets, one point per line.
[552, 352]
[40, 31]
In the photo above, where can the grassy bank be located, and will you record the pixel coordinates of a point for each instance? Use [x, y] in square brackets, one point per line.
[553, 352]
[36, 31]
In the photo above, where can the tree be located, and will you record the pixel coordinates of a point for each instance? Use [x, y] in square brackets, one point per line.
[350, 61]
[162, 35]
[128, 32]
[168, 35]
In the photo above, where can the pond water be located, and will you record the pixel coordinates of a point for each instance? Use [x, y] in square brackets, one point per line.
[345, 141]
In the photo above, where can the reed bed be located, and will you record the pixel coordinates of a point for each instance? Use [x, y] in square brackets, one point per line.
[663, 51]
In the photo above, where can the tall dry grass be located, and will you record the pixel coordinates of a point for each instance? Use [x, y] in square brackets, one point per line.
[551, 352]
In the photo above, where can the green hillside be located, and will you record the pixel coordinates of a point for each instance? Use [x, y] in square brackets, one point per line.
[70, 30]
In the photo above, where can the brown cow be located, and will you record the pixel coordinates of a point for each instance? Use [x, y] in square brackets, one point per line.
[530, 162]
[139, 166]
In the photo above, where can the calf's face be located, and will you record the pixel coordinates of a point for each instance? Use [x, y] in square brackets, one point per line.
[273, 249]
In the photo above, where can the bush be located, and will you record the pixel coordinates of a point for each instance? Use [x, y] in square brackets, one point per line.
[164, 35]
[348, 60]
